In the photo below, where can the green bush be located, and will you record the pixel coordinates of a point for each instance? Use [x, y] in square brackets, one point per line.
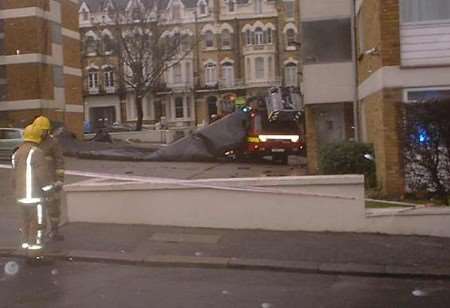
[348, 158]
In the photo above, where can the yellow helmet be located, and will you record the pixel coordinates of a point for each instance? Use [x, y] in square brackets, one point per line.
[32, 133]
[42, 123]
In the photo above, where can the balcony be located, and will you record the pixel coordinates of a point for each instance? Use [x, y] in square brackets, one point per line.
[180, 85]
[110, 90]
[93, 91]
[264, 83]
[231, 84]
[250, 49]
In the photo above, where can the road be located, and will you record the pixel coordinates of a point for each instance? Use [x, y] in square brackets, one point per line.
[69, 284]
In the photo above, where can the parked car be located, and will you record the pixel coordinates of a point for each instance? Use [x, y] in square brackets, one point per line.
[10, 140]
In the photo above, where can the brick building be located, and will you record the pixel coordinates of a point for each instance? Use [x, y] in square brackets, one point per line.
[245, 48]
[403, 56]
[40, 62]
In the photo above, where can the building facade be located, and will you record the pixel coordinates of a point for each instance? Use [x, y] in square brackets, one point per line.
[329, 74]
[244, 47]
[40, 63]
[403, 57]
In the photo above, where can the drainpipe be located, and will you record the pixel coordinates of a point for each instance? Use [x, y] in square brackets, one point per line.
[356, 112]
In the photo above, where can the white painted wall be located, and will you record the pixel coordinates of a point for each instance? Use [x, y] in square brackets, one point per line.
[162, 203]
[425, 43]
[102, 101]
[323, 9]
[328, 83]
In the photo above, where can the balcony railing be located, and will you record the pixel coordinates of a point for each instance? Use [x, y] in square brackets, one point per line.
[259, 48]
[264, 83]
[231, 84]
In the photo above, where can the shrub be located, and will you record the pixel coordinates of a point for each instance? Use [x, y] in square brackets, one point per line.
[348, 158]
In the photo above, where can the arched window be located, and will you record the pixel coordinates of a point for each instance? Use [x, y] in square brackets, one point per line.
[268, 36]
[209, 39]
[93, 81]
[210, 74]
[290, 37]
[185, 42]
[85, 15]
[228, 74]
[108, 78]
[91, 45]
[176, 11]
[248, 35]
[259, 36]
[202, 9]
[108, 46]
[226, 39]
[290, 74]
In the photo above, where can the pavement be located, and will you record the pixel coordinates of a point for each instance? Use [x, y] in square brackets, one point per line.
[303, 252]
[163, 246]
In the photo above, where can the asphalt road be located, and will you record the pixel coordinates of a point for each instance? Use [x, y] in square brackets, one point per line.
[69, 284]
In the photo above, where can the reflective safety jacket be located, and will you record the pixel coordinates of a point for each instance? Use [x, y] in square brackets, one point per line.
[54, 155]
[31, 174]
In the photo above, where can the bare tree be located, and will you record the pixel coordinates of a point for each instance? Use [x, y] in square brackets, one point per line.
[144, 50]
[427, 147]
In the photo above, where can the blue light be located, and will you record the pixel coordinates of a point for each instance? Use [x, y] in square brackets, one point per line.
[423, 136]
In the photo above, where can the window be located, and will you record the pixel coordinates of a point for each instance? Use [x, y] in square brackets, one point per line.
[228, 74]
[259, 36]
[259, 68]
[248, 69]
[186, 43]
[290, 37]
[91, 45]
[85, 15]
[93, 79]
[108, 75]
[428, 10]
[209, 39]
[335, 34]
[177, 76]
[202, 9]
[290, 74]
[226, 39]
[419, 95]
[289, 9]
[136, 13]
[248, 35]
[176, 11]
[230, 6]
[210, 74]
[258, 6]
[107, 44]
[179, 107]
[268, 36]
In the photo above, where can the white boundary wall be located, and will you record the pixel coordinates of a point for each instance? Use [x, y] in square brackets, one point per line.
[308, 203]
[278, 203]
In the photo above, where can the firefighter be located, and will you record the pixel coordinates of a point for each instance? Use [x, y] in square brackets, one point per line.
[53, 154]
[31, 176]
